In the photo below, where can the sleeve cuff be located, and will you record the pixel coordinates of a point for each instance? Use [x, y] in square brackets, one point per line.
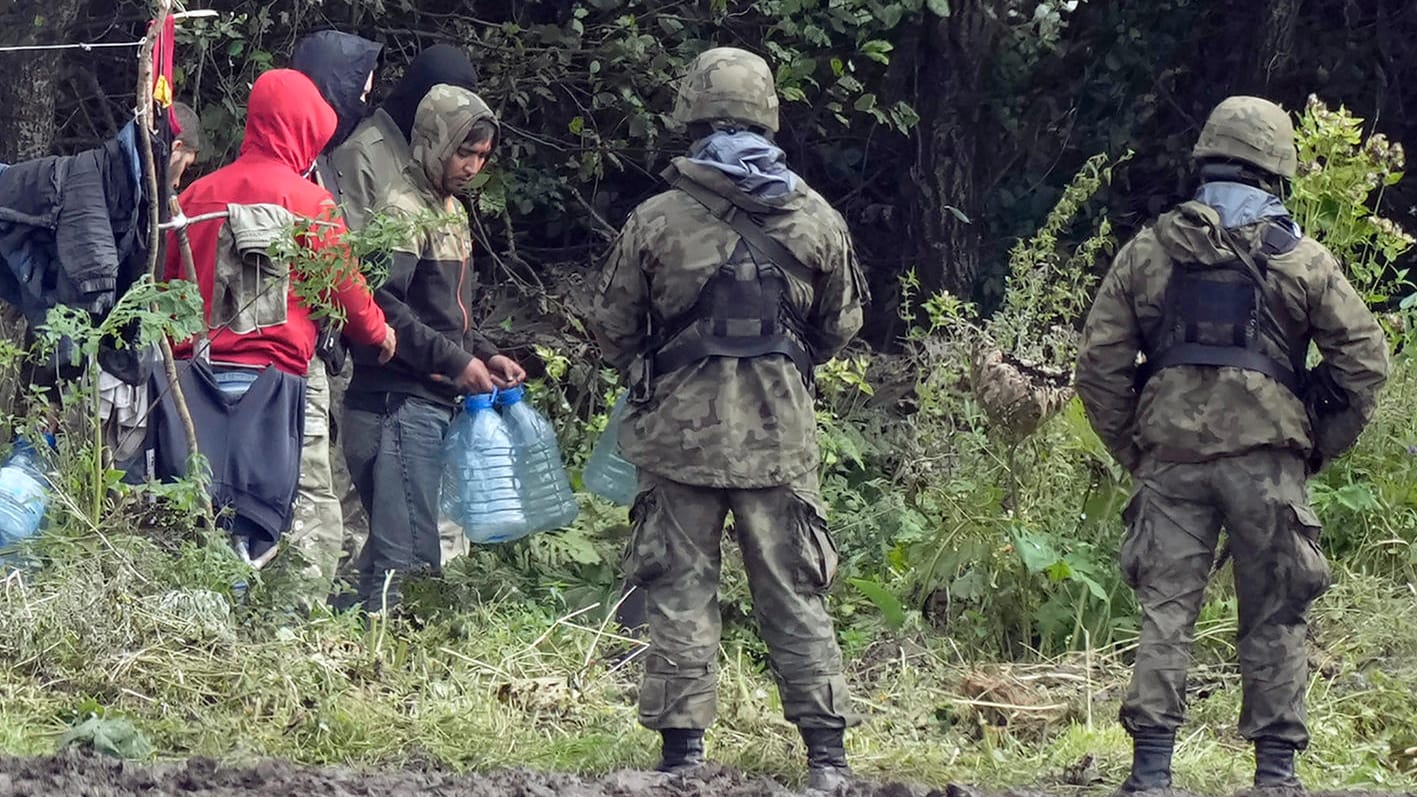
[484, 350]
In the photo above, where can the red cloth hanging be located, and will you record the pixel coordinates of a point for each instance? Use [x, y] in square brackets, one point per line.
[162, 70]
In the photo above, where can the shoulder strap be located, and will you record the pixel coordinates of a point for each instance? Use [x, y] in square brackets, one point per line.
[1298, 348]
[759, 240]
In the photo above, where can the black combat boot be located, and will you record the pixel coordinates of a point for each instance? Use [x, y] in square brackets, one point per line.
[1151, 761]
[681, 750]
[1274, 765]
[826, 758]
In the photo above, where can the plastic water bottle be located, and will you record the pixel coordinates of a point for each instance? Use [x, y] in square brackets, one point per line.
[24, 494]
[547, 497]
[482, 471]
[608, 474]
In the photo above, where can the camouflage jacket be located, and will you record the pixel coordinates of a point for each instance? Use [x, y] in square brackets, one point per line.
[1193, 413]
[429, 291]
[366, 164]
[724, 422]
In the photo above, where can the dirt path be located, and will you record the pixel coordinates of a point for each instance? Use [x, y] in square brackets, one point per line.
[77, 774]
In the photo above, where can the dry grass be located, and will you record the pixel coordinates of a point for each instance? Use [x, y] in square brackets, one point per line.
[507, 685]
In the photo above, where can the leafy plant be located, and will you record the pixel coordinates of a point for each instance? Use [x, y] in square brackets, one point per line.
[1342, 177]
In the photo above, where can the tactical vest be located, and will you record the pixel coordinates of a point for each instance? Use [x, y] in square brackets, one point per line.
[1223, 315]
[744, 310]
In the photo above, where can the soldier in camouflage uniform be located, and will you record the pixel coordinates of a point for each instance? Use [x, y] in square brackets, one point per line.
[1223, 296]
[719, 297]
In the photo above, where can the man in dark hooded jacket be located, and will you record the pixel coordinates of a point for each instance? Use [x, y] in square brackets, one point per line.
[376, 152]
[373, 159]
[341, 65]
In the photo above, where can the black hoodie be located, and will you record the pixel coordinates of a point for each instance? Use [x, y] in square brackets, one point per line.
[338, 64]
[441, 63]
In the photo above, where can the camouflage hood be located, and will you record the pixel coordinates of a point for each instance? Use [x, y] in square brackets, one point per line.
[445, 116]
[1190, 233]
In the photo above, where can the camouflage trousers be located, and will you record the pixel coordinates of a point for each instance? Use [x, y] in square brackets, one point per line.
[317, 528]
[1173, 525]
[675, 556]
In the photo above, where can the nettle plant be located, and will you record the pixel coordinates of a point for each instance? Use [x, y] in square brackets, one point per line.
[1018, 361]
[1335, 198]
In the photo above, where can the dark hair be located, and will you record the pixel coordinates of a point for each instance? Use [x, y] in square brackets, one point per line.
[191, 124]
[483, 131]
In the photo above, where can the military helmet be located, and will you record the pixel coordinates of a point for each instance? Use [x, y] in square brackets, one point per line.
[728, 83]
[1252, 130]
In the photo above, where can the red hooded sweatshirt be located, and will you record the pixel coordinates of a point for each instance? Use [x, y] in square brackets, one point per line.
[287, 125]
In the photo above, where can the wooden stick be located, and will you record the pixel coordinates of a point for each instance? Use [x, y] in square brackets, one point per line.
[145, 125]
[179, 399]
[189, 264]
[145, 131]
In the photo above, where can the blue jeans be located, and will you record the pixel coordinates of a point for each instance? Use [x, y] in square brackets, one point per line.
[395, 459]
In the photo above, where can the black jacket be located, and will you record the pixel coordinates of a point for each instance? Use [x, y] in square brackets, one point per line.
[428, 298]
[71, 229]
[338, 64]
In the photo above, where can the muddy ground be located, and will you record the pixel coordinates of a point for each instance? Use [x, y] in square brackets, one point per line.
[79, 774]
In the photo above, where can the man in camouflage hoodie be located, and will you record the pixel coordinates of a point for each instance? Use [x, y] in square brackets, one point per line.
[1222, 424]
[719, 297]
[398, 413]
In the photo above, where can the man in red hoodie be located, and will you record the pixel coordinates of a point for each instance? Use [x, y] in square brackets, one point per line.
[246, 387]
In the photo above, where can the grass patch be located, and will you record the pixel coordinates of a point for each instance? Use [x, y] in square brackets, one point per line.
[111, 629]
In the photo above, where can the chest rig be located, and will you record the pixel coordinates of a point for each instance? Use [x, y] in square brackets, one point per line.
[745, 309]
[1223, 315]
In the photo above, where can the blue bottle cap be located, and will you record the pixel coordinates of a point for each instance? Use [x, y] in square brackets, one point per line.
[478, 401]
[510, 396]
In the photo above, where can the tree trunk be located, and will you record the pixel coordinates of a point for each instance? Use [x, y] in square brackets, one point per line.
[29, 80]
[952, 62]
[1272, 47]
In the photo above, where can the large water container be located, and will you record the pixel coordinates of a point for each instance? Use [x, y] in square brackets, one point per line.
[481, 471]
[24, 494]
[608, 474]
[547, 497]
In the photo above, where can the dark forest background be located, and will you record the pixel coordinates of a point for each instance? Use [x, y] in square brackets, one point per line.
[943, 129]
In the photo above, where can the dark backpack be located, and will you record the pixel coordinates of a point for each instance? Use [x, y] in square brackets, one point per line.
[744, 309]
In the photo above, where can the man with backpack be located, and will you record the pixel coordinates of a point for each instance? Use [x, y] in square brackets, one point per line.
[719, 297]
[1221, 425]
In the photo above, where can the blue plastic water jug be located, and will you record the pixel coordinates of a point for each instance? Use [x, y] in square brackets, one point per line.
[24, 494]
[608, 474]
[480, 490]
[547, 498]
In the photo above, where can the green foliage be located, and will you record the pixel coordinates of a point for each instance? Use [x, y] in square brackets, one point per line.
[324, 261]
[156, 311]
[1343, 175]
[1048, 290]
[111, 736]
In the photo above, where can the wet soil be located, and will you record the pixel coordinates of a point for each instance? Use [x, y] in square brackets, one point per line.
[81, 774]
